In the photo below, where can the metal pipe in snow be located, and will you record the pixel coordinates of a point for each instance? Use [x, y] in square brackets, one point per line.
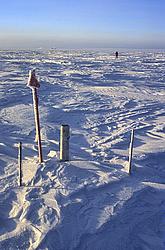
[20, 163]
[131, 152]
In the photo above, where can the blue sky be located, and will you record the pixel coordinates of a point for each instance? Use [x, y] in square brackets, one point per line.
[82, 23]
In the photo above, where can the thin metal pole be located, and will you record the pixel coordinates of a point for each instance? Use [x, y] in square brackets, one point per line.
[20, 163]
[131, 152]
[37, 122]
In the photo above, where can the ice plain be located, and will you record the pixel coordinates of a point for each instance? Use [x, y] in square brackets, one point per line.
[90, 202]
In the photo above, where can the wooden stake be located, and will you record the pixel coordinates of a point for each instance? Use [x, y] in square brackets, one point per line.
[37, 122]
[64, 143]
[131, 152]
[20, 163]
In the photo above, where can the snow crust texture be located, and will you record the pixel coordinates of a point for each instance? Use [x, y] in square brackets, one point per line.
[90, 202]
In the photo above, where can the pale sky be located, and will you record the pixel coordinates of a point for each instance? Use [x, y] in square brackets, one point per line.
[82, 23]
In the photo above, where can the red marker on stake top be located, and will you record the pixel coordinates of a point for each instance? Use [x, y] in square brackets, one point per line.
[32, 81]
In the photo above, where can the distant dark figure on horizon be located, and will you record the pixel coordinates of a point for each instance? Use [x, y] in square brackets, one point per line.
[117, 54]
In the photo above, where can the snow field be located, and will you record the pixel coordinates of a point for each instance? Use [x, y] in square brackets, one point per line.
[89, 202]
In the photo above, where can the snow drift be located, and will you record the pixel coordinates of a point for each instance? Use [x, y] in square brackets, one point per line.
[89, 202]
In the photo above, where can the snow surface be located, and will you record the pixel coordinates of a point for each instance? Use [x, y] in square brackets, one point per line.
[90, 202]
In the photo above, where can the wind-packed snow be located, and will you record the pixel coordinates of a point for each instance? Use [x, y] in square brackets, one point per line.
[90, 202]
